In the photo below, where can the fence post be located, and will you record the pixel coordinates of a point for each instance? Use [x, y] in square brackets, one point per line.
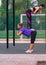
[7, 22]
[13, 22]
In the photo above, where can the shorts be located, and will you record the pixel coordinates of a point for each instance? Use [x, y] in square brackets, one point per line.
[33, 36]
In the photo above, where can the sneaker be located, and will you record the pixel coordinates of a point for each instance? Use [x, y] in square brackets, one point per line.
[29, 51]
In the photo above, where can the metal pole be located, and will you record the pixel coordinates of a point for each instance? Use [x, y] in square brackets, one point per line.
[7, 22]
[13, 22]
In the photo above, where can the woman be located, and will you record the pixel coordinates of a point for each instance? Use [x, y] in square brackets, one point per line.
[34, 10]
[28, 33]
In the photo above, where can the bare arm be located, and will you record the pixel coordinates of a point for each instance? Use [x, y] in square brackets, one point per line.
[35, 12]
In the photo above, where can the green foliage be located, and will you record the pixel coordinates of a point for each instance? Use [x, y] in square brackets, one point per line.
[22, 5]
[20, 8]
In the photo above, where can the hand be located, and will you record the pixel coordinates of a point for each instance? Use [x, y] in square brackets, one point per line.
[17, 32]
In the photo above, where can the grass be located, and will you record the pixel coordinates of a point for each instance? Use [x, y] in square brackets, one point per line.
[3, 35]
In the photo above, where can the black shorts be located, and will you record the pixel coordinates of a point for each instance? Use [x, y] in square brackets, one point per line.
[33, 36]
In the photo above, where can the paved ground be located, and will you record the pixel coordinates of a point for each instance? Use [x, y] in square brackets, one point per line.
[16, 55]
[21, 48]
[21, 59]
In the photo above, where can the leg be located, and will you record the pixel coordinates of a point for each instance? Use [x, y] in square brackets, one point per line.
[30, 23]
[33, 36]
[31, 46]
[28, 13]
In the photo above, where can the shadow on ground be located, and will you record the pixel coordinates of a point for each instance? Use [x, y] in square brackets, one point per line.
[21, 48]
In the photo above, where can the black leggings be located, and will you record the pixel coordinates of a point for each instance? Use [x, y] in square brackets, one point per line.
[33, 36]
[28, 13]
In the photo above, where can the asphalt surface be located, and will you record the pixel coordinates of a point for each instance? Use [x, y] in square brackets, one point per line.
[15, 55]
[21, 48]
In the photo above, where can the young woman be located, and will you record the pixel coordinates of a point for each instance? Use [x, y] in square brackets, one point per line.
[28, 33]
[34, 10]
